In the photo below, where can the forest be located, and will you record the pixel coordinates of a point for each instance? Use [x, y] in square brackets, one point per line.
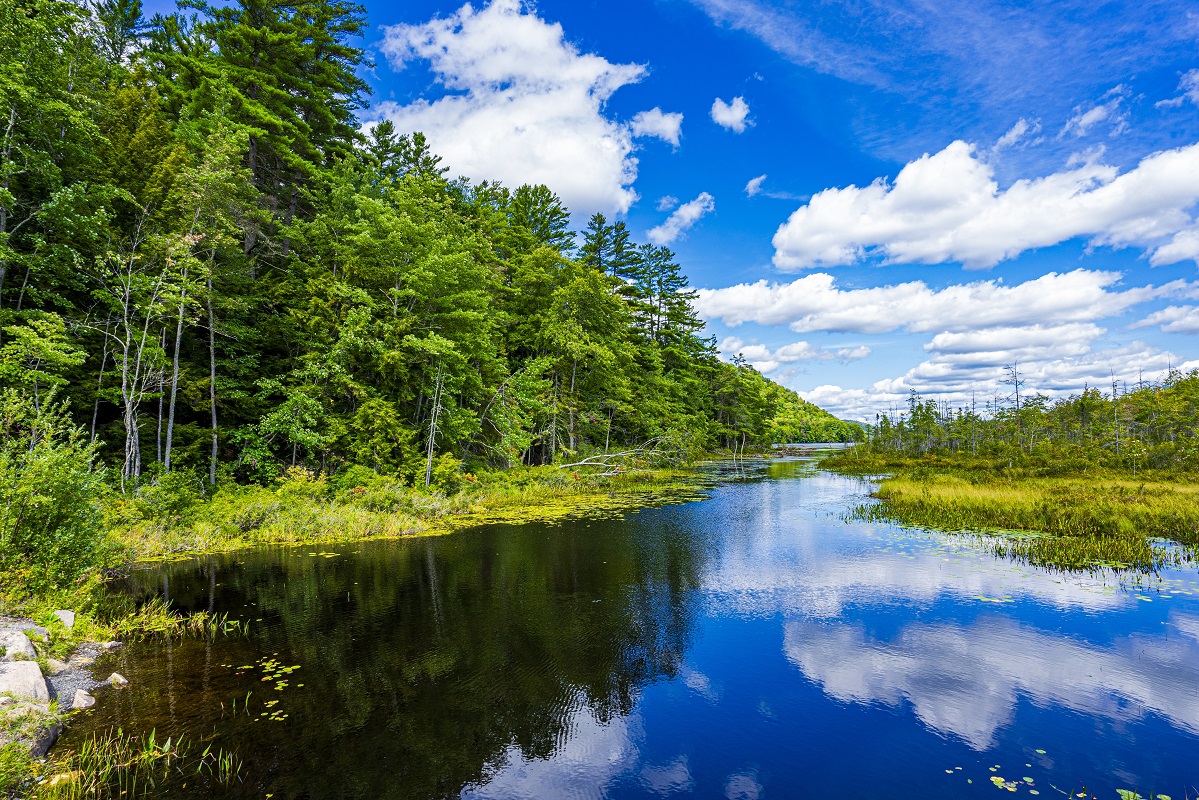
[213, 265]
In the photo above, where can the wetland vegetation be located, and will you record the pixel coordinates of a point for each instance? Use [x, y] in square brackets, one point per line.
[1100, 477]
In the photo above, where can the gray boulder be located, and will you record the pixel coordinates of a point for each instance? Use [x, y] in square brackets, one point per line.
[16, 645]
[118, 680]
[23, 680]
[67, 617]
[82, 700]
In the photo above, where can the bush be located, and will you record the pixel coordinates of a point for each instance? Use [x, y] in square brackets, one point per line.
[50, 522]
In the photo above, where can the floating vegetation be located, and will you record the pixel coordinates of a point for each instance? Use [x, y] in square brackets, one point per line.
[274, 672]
[119, 767]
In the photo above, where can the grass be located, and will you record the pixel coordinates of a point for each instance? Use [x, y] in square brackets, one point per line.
[120, 767]
[1059, 521]
[307, 509]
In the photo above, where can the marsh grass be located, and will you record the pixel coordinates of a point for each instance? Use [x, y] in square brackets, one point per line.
[311, 509]
[155, 619]
[116, 766]
[1076, 523]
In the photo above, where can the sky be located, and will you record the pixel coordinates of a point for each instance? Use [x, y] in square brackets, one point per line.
[871, 197]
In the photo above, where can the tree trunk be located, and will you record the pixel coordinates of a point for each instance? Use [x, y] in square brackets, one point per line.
[212, 380]
[433, 425]
[175, 373]
[158, 435]
[573, 371]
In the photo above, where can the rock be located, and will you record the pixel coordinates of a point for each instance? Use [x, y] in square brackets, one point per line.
[16, 645]
[108, 647]
[67, 617]
[118, 680]
[44, 740]
[6, 701]
[56, 666]
[23, 680]
[82, 700]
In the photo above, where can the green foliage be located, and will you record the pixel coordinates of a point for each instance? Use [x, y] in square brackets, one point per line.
[229, 280]
[49, 493]
[1154, 427]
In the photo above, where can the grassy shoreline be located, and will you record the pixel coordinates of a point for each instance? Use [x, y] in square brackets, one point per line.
[1047, 514]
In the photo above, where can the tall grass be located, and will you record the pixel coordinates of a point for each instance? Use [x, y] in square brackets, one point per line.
[120, 767]
[1081, 522]
[313, 509]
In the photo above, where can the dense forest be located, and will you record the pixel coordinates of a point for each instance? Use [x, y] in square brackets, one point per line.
[1148, 426]
[217, 267]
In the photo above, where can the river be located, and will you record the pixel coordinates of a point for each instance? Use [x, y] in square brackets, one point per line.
[755, 644]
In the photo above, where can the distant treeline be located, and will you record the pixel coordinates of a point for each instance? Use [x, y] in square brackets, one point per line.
[1149, 426]
[204, 254]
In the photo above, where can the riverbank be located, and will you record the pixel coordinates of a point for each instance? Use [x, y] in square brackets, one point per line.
[168, 521]
[1052, 514]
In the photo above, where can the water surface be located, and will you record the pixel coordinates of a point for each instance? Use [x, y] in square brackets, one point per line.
[752, 645]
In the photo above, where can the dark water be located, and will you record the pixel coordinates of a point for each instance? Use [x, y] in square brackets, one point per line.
[752, 645]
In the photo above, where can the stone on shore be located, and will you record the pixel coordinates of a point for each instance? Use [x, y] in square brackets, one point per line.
[23, 680]
[67, 617]
[56, 666]
[108, 647]
[16, 645]
[118, 680]
[82, 700]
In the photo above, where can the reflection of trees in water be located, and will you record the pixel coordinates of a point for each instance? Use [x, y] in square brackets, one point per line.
[424, 661]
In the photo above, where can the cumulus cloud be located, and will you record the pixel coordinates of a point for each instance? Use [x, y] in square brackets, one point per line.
[682, 220]
[816, 303]
[524, 105]
[1173, 319]
[754, 186]
[765, 360]
[658, 124]
[962, 379]
[667, 202]
[731, 115]
[948, 207]
[1189, 89]
[1183, 246]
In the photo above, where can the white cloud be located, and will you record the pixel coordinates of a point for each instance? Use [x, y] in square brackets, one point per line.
[667, 202]
[1173, 319]
[1001, 346]
[731, 115]
[816, 303]
[948, 207]
[1189, 88]
[526, 106]
[1183, 246]
[754, 186]
[656, 123]
[765, 360]
[683, 219]
[960, 379]
[1017, 133]
[1112, 111]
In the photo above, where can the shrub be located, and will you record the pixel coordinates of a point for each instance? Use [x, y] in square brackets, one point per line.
[50, 522]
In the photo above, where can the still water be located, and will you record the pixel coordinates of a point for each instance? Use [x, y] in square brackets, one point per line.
[752, 645]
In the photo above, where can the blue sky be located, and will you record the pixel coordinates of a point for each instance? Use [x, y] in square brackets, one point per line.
[950, 187]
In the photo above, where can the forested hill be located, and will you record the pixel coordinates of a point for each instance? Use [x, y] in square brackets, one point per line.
[202, 252]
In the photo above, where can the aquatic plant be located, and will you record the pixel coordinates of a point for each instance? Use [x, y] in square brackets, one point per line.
[119, 766]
